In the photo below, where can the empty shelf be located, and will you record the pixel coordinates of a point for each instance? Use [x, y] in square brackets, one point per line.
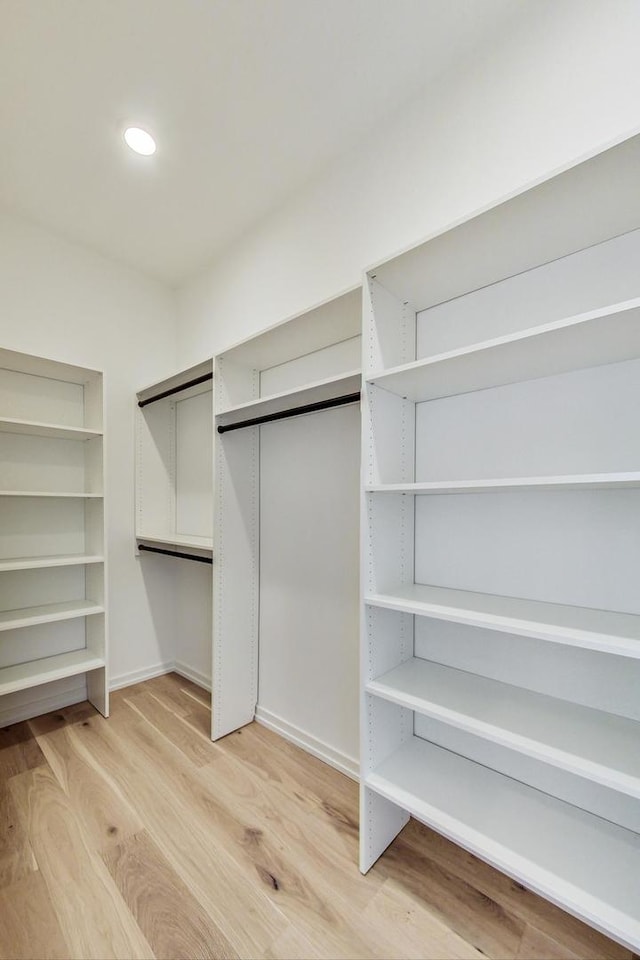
[591, 743]
[571, 857]
[32, 674]
[609, 335]
[179, 540]
[617, 633]
[48, 613]
[49, 493]
[36, 563]
[35, 429]
[586, 481]
[316, 392]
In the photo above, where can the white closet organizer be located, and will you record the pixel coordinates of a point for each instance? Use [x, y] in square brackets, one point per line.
[311, 362]
[53, 620]
[174, 465]
[500, 541]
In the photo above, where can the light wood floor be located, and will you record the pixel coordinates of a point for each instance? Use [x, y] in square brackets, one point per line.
[138, 837]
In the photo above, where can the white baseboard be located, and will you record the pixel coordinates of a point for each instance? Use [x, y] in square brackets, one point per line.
[36, 706]
[137, 676]
[184, 670]
[318, 748]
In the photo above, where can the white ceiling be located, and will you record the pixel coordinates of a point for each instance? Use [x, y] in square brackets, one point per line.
[248, 99]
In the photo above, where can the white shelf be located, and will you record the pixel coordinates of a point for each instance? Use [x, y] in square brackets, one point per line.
[590, 743]
[50, 493]
[587, 481]
[179, 540]
[586, 864]
[315, 392]
[25, 675]
[35, 429]
[615, 633]
[589, 339]
[37, 563]
[49, 613]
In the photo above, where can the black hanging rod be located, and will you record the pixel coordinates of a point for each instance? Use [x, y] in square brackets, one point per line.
[174, 553]
[292, 412]
[183, 386]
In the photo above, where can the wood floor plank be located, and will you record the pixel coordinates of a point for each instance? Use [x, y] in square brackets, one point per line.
[405, 928]
[16, 856]
[18, 750]
[146, 767]
[536, 945]
[105, 815]
[294, 945]
[172, 920]
[28, 924]
[195, 745]
[271, 866]
[94, 919]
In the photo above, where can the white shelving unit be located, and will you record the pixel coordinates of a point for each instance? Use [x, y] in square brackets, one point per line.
[53, 608]
[500, 506]
[312, 358]
[174, 464]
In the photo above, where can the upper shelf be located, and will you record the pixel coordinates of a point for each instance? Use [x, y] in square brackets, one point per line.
[616, 633]
[179, 383]
[585, 481]
[50, 493]
[318, 391]
[34, 429]
[179, 540]
[591, 339]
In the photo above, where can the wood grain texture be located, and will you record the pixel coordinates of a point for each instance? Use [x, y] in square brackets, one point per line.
[171, 919]
[138, 837]
[29, 926]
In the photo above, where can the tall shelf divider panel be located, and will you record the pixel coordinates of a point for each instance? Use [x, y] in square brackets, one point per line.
[500, 649]
[174, 467]
[53, 607]
[309, 361]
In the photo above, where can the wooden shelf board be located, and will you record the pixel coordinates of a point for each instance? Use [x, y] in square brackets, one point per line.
[611, 632]
[48, 613]
[50, 493]
[62, 560]
[36, 429]
[587, 481]
[581, 740]
[25, 675]
[325, 389]
[591, 339]
[571, 857]
[178, 540]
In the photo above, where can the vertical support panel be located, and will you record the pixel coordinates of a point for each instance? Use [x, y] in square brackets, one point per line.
[236, 582]
[387, 555]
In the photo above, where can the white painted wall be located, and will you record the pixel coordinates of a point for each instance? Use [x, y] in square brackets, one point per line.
[563, 82]
[61, 301]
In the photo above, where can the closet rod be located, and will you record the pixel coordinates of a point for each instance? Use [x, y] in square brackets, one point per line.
[183, 386]
[292, 412]
[174, 553]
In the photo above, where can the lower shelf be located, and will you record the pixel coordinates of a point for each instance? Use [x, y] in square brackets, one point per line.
[581, 862]
[179, 540]
[25, 675]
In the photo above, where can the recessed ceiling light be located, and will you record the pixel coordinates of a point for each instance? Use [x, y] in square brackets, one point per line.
[140, 141]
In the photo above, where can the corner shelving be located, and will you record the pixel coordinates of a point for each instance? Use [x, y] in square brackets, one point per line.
[500, 639]
[174, 462]
[53, 610]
